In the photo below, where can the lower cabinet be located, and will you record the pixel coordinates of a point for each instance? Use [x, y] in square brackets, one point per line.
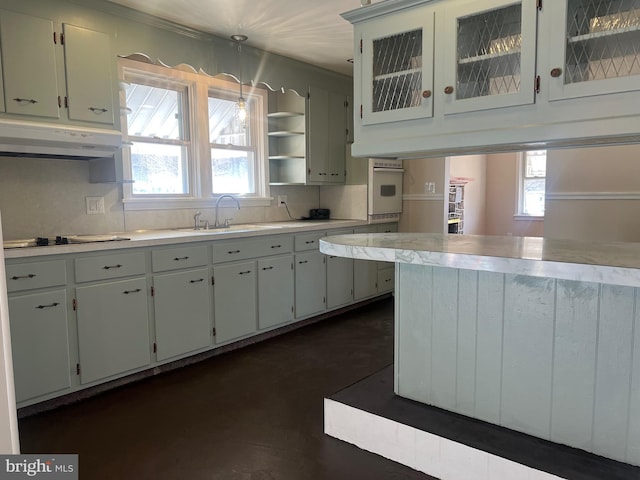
[40, 345]
[113, 328]
[311, 279]
[235, 300]
[339, 281]
[182, 312]
[386, 279]
[275, 291]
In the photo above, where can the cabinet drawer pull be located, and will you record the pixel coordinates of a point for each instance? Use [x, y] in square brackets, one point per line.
[127, 292]
[267, 268]
[54, 304]
[310, 241]
[177, 259]
[25, 100]
[448, 90]
[197, 281]
[109, 267]
[244, 273]
[276, 246]
[98, 110]
[231, 252]
[303, 261]
[31, 275]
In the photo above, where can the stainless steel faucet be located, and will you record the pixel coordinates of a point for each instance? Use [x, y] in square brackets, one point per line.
[226, 222]
[196, 221]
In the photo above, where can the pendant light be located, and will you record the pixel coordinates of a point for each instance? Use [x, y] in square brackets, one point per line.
[242, 106]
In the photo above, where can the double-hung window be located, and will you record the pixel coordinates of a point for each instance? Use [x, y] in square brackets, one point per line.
[187, 143]
[532, 180]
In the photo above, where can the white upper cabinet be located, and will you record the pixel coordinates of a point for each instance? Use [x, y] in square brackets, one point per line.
[88, 67]
[397, 67]
[48, 68]
[598, 47]
[490, 55]
[29, 61]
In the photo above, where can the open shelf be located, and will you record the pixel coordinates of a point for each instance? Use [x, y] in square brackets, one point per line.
[284, 133]
[284, 114]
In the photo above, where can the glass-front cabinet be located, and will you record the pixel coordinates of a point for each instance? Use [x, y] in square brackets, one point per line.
[397, 68]
[490, 55]
[598, 47]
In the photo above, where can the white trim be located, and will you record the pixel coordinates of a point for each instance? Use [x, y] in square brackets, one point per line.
[593, 196]
[185, 203]
[422, 197]
[528, 218]
[418, 449]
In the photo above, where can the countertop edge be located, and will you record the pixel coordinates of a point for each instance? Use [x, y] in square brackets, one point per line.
[344, 245]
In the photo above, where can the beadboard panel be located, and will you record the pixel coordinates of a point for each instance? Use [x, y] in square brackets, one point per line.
[557, 359]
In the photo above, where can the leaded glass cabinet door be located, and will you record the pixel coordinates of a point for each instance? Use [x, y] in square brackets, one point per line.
[490, 55]
[598, 47]
[397, 67]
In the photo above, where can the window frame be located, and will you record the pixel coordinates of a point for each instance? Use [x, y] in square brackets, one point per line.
[198, 163]
[521, 177]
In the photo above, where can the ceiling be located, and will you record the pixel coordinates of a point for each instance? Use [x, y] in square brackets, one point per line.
[311, 31]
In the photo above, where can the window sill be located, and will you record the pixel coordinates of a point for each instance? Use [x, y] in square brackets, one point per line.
[528, 218]
[133, 204]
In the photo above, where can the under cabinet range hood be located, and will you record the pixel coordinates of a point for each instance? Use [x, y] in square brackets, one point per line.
[36, 139]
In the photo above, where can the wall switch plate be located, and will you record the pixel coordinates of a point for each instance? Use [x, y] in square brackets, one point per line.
[95, 205]
[282, 199]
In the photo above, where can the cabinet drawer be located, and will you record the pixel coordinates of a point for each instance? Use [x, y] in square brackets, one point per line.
[109, 266]
[27, 276]
[309, 241]
[243, 249]
[176, 258]
[386, 280]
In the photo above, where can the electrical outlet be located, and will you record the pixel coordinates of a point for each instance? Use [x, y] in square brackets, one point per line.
[95, 205]
[282, 199]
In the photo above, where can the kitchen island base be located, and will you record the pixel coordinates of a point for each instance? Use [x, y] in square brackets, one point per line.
[451, 446]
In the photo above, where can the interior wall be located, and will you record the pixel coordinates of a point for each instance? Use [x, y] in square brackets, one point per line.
[501, 199]
[424, 212]
[594, 193]
[474, 168]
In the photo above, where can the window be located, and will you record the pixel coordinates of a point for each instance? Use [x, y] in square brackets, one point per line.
[533, 171]
[188, 145]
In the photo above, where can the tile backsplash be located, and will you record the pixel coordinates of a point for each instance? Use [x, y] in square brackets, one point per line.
[46, 197]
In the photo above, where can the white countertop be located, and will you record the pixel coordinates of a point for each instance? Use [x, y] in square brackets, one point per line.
[145, 238]
[613, 263]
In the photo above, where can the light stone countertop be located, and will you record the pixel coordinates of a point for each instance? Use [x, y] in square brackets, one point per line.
[146, 238]
[612, 263]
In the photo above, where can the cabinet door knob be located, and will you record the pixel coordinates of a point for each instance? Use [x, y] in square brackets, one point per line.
[448, 90]
[426, 94]
[556, 72]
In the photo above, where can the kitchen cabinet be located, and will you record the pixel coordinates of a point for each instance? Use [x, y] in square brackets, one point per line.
[396, 67]
[235, 300]
[490, 55]
[40, 343]
[504, 75]
[275, 291]
[365, 272]
[327, 136]
[307, 137]
[311, 275]
[113, 328]
[47, 68]
[598, 48]
[38, 312]
[182, 312]
[339, 278]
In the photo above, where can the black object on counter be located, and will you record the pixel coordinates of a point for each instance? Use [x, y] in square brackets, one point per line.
[319, 214]
[62, 240]
[42, 242]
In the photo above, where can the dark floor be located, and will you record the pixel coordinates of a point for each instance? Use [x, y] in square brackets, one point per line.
[252, 414]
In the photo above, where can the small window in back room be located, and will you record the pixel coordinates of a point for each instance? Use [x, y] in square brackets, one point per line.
[533, 172]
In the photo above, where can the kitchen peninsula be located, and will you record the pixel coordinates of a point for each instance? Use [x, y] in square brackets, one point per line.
[537, 335]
